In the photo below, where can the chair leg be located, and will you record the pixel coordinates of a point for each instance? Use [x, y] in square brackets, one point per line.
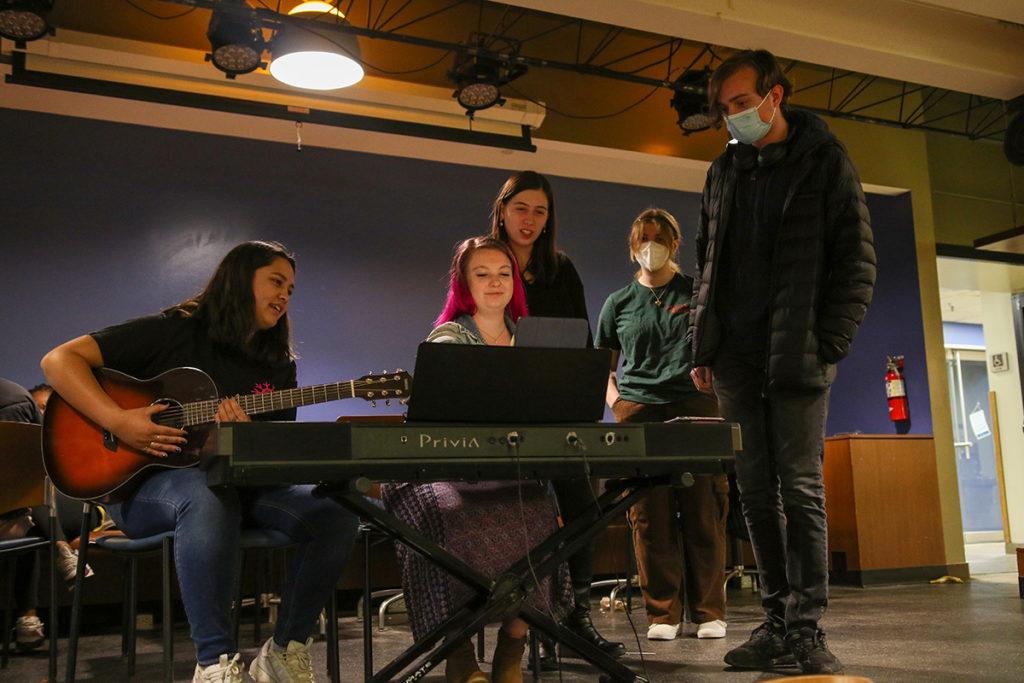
[367, 621]
[8, 611]
[480, 646]
[168, 617]
[51, 671]
[257, 602]
[126, 597]
[132, 605]
[333, 662]
[76, 600]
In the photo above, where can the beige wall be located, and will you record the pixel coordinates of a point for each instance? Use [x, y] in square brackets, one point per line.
[999, 338]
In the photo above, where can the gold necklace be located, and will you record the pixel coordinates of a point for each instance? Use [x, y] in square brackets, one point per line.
[657, 296]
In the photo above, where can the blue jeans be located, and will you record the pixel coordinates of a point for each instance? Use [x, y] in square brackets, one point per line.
[778, 473]
[207, 524]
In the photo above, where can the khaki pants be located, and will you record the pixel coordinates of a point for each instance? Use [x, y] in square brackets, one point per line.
[681, 560]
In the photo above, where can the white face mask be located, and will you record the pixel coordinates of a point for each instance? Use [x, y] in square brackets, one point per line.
[652, 256]
[747, 126]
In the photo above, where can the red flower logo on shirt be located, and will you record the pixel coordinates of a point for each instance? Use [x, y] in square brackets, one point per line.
[263, 388]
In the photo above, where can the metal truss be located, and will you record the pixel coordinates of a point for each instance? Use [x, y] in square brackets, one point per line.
[514, 35]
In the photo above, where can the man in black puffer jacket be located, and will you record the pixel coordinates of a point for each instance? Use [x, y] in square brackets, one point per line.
[785, 272]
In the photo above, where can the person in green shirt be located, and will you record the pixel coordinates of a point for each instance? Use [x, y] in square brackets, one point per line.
[681, 561]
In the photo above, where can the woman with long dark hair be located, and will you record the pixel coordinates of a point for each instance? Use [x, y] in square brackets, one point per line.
[523, 216]
[678, 534]
[489, 525]
[236, 330]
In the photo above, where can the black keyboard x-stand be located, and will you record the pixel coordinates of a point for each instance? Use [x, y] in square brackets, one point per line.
[505, 595]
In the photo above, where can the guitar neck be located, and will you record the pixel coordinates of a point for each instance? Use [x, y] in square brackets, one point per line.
[203, 412]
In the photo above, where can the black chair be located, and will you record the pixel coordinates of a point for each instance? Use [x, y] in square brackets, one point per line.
[20, 451]
[131, 549]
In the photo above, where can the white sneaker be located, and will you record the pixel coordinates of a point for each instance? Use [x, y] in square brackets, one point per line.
[274, 665]
[712, 629]
[29, 633]
[224, 671]
[67, 563]
[662, 631]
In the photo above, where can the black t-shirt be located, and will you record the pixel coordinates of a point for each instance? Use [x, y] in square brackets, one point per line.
[146, 347]
[562, 297]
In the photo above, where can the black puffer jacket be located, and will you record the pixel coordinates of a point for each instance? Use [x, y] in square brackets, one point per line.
[823, 269]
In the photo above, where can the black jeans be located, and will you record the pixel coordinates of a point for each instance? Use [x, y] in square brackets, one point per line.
[781, 490]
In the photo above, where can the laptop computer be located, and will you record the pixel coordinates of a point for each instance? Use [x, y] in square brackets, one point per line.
[552, 333]
[502, 384]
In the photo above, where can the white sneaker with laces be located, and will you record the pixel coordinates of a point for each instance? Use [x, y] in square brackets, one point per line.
[28, 633]
[662, 631]
[67, 563]
[224, 671]
[274, 665]
[712, 629]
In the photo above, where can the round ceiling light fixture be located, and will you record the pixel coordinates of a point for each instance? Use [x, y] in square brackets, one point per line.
[315, 58]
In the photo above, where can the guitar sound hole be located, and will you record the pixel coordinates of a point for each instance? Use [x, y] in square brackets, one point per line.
[172, 417]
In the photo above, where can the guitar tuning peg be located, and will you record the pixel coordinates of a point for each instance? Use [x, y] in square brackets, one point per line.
[404, 401]
[373, 403]
[387, 402]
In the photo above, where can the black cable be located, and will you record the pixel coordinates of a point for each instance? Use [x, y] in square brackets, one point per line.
[548, 107]
[159, 16]
[629, 578]
[529, 561]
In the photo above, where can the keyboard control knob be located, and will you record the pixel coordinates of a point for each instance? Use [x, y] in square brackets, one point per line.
[609, 438]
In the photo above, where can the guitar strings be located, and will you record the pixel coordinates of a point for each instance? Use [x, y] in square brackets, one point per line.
[199, 410]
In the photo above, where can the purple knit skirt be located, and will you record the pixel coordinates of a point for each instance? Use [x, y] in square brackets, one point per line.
[489, 526]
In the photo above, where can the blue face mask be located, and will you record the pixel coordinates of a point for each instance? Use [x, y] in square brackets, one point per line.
[747, 126]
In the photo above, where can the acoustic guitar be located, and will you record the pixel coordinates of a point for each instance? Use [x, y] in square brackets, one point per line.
[87, 462]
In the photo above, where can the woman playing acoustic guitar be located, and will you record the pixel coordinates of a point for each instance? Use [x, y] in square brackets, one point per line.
[236, 330]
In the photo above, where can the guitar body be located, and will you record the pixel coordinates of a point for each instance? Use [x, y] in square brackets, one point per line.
[86, 462]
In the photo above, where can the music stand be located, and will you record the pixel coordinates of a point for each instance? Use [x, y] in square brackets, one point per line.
[491, 384]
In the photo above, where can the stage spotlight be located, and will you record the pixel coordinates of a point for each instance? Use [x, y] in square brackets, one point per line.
[479, 79]
[691, 107]
[315, 58]
[236, 42]
[24, 20]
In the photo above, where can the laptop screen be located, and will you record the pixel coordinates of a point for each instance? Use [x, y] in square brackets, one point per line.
[501, 384]
[552, 333]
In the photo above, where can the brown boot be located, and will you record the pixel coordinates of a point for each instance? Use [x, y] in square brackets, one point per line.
[461, 666]
[508, 659]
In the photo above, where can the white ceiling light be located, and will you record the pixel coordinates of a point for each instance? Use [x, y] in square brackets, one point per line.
[316, 7]
[315, 58]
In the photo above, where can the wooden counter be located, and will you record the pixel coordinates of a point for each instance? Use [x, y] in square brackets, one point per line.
[882, 497]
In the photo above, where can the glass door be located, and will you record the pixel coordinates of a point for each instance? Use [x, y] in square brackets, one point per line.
[974, 441]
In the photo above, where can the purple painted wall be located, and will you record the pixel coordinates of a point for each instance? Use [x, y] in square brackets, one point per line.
[893, 327]
[106, 221]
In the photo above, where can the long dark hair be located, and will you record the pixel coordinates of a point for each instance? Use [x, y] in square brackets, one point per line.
[543, 263]
[227, 307]
[459, 301]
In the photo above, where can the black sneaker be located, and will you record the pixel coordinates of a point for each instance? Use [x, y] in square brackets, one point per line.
[811, 651]
[765, 649]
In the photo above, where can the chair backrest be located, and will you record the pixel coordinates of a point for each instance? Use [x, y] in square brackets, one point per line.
[21, 461]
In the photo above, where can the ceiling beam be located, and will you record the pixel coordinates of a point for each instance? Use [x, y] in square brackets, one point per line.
[920, 42]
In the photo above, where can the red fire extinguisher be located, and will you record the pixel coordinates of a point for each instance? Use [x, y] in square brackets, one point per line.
[896, 389]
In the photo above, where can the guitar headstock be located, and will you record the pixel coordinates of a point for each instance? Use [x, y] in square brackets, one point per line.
[384, 386]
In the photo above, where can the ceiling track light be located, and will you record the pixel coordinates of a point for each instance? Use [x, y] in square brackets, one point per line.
[692, 107]
[478, 79]
[236, 42]
[24, 20]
